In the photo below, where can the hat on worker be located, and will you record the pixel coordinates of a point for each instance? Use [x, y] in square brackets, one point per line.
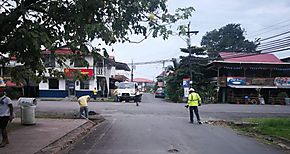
[191, 89]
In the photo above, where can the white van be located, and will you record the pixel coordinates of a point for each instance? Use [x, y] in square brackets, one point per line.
[126, 91]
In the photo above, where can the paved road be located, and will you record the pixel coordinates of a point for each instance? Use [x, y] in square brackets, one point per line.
[158, 127]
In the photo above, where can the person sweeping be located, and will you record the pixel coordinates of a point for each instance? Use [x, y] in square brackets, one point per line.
[83, 102]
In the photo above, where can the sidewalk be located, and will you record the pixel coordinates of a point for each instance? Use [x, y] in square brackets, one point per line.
[31, 139]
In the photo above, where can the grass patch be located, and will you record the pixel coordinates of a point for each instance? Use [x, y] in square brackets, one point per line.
[276, 127]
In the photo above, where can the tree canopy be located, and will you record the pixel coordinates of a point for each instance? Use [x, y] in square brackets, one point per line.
[229, 38]
[195, 65]
[29, 26]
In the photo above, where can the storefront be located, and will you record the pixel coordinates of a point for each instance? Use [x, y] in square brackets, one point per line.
[247, 82]
[71, 86]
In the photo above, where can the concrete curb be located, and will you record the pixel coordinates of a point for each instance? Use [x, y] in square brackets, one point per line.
[68, 140]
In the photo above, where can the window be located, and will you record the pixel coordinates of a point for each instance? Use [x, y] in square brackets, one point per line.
[49, 60]
[53, 84]
[85, 84]
[79, 62]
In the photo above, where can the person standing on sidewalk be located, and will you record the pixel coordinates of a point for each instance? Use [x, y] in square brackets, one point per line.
[95, 92]
[6, 115]
[83, 102]
[193, 102]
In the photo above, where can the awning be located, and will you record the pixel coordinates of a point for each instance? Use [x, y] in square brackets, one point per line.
[253, 86]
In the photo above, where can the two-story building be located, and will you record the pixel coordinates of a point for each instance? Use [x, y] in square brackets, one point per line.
[99, 72]
[243, 78]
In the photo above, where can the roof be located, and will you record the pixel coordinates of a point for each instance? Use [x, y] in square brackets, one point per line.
[162, 74]
[122, 66]
[142, 80]
[283, 54]
[246, 57]
[61, 51]
[12, 84]
[120, 78]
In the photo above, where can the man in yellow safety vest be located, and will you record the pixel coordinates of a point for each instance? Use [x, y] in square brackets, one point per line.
[193, 102]
[95, 92]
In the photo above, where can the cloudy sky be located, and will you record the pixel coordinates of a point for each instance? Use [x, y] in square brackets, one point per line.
[260, 18]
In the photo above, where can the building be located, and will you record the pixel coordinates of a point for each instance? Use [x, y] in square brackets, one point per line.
[77, 79]
[242, 78]
[144, 84]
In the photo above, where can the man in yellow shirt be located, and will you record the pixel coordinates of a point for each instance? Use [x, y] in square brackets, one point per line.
[83, 102]
[193, 102]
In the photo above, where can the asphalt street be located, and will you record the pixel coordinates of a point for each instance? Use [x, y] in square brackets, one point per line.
[159, 127]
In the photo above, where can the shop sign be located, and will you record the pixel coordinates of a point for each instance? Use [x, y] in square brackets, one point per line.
[236, 81]
[186, 86]
[282, 82]
[89, 72]
[186, 83]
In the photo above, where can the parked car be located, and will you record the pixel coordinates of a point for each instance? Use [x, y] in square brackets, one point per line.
[159, 93]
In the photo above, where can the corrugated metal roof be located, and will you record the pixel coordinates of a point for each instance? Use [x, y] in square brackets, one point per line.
[142, 80]
[61, 51]
[244, 57]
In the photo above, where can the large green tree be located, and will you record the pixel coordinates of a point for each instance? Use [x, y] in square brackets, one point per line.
[229, 38]
[27, 26]
[194, 65]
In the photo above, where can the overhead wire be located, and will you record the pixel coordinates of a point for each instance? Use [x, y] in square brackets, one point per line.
[281, 34]
[259, 32]
[274, 44]
[278, 40]
[247, 55]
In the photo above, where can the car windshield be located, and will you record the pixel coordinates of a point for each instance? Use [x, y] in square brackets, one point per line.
[128, 85]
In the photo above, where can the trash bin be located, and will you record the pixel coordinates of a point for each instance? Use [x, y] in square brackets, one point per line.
[27, 106]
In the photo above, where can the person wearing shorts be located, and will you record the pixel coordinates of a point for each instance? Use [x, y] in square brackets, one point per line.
[6, 115]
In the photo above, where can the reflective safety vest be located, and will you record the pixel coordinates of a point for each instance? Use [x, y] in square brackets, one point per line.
[193, 99]
[95, 92]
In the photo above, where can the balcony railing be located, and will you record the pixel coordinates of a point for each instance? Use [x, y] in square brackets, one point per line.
[100, 71]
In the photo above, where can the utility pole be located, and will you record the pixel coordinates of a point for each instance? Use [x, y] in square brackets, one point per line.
[163, 73]
[132, 74]
[189, 48]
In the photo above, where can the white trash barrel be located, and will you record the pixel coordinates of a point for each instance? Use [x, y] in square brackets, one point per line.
[27, 106]
[28, 115]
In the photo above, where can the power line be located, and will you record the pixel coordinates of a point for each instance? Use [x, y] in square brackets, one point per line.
[151, 62]
[271, 26]
[271, 30]
[273, 44]
[277, 40]
[247, 55]
[276, 46]
[275, 36]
